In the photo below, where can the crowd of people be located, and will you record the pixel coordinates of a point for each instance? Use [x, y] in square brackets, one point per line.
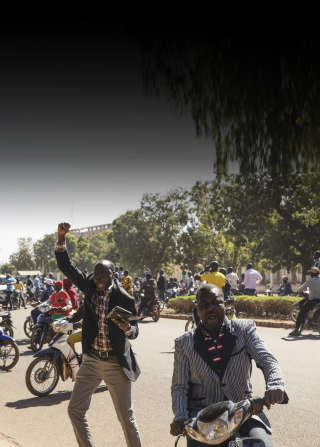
[211, 363]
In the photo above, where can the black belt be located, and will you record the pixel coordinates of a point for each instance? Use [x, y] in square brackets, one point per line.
[102, 355]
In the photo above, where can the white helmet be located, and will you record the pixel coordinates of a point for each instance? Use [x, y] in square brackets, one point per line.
[48, 281]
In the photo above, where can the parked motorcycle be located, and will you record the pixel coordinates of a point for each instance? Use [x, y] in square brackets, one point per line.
[150, 309]
[219, 423]
[6, 324]
[42, 331]
[9, 351]
[171, 292]
[57, 361]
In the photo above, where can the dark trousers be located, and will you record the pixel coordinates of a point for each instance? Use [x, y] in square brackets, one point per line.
[161, 293]
[250, 292]
[305, 308]
[34, 315]
[9, 299]
[250, 429]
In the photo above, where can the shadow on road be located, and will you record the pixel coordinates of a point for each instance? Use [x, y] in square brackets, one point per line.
[46, 401]
[302, 337]
[23, 342]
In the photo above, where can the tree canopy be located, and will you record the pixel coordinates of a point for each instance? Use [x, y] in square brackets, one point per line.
[257, 98]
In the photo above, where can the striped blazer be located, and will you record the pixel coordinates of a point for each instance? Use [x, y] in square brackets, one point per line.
[195, 385]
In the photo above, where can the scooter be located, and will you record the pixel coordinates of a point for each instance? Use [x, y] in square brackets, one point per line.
[219, 423]
[58, 361]
[9, 351]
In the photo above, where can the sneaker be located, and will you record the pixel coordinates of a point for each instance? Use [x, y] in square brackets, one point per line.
[294, 333]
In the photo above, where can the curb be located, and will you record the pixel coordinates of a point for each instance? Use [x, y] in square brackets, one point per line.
[264, 323]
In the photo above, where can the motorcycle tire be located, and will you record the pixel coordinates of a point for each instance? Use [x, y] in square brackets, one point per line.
[35, 375]
[13, 348]
[28, 327]
[37, 339]
[7, 330]
[190, 324]
[156, 314]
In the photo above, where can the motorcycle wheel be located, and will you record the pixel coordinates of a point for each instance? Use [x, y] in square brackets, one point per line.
[37, 339]
[9, 354]
[8, 331]
[42, 376]
[189, 325]
[28, 327]
[156, 314]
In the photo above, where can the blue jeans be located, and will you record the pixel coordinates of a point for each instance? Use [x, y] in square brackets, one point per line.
[251, 428]
[250, 292]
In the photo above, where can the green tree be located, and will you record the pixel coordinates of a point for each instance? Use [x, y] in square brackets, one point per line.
[258, 101]
[23, 258]
[7, 268]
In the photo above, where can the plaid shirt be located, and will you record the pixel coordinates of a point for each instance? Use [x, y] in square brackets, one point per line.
[102, 341]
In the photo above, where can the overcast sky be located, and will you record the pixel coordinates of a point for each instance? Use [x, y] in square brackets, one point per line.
[79, 139]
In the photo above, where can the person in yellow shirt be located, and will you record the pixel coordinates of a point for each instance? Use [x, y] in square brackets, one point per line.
[212, 276]
[19, 288]
[127, 282]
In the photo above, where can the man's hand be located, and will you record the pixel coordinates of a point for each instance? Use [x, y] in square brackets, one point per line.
[176, 428]
[63, 229]
[274, 396]
[121, 322]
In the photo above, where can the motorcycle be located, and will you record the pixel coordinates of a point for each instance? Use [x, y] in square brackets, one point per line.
[42, 331]
[6, 324]
[150, 309]
[9, 351]
[57, 361]
[219, 423]
[171, 292]
[230, 308]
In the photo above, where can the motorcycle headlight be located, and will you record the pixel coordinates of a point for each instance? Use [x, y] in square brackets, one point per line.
[236, 419]
[211, 433]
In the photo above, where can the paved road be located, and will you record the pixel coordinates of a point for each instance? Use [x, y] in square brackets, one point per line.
[39, 422]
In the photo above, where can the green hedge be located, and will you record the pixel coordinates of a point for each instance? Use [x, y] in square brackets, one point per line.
[251, 306]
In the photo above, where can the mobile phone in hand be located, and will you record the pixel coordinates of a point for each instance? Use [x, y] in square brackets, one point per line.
[124, 313]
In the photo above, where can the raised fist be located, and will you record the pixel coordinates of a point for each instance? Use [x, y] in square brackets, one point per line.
[63, 228]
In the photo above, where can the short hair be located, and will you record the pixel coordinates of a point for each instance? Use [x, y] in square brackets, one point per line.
[230, 269]
[106, 263]
[249, 266]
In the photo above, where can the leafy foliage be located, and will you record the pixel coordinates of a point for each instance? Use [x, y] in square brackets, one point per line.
[258, 100]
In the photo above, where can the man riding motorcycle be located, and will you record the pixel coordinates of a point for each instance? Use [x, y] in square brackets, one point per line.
[313, 283]
[148, 292]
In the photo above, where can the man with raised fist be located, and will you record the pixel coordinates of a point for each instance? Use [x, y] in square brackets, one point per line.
[107, 353]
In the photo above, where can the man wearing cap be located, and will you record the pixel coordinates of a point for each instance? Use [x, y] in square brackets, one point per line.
[313, 283]
[60, 298]
[71, 291]
[107, 353]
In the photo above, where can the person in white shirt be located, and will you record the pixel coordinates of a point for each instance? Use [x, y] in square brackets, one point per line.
[251, 279]
[233, 279]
